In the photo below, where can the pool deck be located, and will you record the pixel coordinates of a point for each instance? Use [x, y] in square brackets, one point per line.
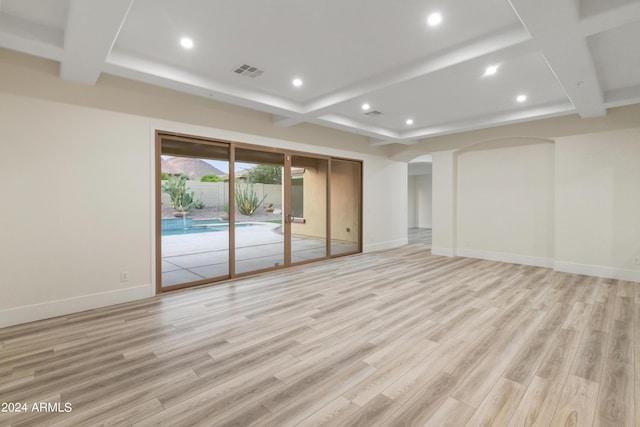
[190, 257]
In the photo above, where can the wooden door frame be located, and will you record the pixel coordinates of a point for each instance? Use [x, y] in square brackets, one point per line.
[232, 145]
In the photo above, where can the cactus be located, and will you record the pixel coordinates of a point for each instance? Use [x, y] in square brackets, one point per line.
[247, 201]
[176, 188]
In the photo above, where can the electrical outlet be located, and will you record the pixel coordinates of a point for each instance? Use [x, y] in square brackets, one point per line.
[124, 276]
[636, 260]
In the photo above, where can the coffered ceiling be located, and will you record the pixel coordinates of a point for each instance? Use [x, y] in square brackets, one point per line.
[418, 80]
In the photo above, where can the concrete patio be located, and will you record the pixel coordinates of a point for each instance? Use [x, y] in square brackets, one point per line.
[190, 257]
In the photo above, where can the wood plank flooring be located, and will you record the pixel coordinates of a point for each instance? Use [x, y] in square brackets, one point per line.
[392, 338]
[419, 235]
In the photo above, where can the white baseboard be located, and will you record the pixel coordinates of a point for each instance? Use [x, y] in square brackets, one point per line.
[598, 271]
[29, 313]
[436, 250]
[505, 257]
[385, 245]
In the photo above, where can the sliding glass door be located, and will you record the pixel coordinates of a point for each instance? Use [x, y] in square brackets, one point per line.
[308, 208]
[194, 200]
[346, 206]
[227, 209]
[259, 234]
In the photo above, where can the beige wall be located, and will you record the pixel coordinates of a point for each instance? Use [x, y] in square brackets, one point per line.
[83, 212]
[314, 203]
[345, 199]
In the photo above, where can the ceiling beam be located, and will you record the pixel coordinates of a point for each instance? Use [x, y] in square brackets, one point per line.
[92, 28]
[565, 49]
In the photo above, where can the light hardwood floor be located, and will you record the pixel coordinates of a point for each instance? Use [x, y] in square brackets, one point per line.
[392, 338]
[419, 235]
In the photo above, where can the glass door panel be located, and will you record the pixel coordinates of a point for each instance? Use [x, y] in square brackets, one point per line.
[308, 208]
[194, 230]
[259, 195]
[345, 178]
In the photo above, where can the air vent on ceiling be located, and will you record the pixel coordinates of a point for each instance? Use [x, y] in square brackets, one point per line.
[373, 113]
[249, 71]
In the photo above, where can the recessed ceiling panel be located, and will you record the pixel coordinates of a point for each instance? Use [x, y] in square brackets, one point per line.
[616, 55]
[329, 44]
[460, 93]
[50, 13]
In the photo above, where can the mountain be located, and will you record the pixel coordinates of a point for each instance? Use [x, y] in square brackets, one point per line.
[193, 168]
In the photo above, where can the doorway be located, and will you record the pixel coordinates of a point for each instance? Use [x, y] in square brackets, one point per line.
[226, 209]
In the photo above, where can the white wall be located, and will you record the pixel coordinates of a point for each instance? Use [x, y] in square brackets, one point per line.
[597, 217]
[412, 202]
[571, 204]
[420, 201]
[83, 212]
[505, 200]
[385, 204]
[424, 201]
[444, 203]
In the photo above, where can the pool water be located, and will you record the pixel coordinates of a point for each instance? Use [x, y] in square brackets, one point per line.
[196, 227]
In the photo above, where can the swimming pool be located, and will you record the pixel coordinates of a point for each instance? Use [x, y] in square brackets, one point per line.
[178, 226]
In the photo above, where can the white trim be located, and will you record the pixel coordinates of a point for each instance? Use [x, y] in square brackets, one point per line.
[436, 250]
[598, 271]
[45, 310]
[385, 245]
[506, 257]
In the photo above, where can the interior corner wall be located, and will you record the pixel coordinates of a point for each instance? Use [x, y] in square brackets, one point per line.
[506, 202]
[597, 218]
[77, 162]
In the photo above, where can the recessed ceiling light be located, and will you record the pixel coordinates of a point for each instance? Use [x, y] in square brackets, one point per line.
[365, 107]
[434, 19]
[409, 122]
[297, 82]
[521, 98]
[186, 42]
[490, 71]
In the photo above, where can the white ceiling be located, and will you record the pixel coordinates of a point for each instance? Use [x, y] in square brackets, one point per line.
[566, 56]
